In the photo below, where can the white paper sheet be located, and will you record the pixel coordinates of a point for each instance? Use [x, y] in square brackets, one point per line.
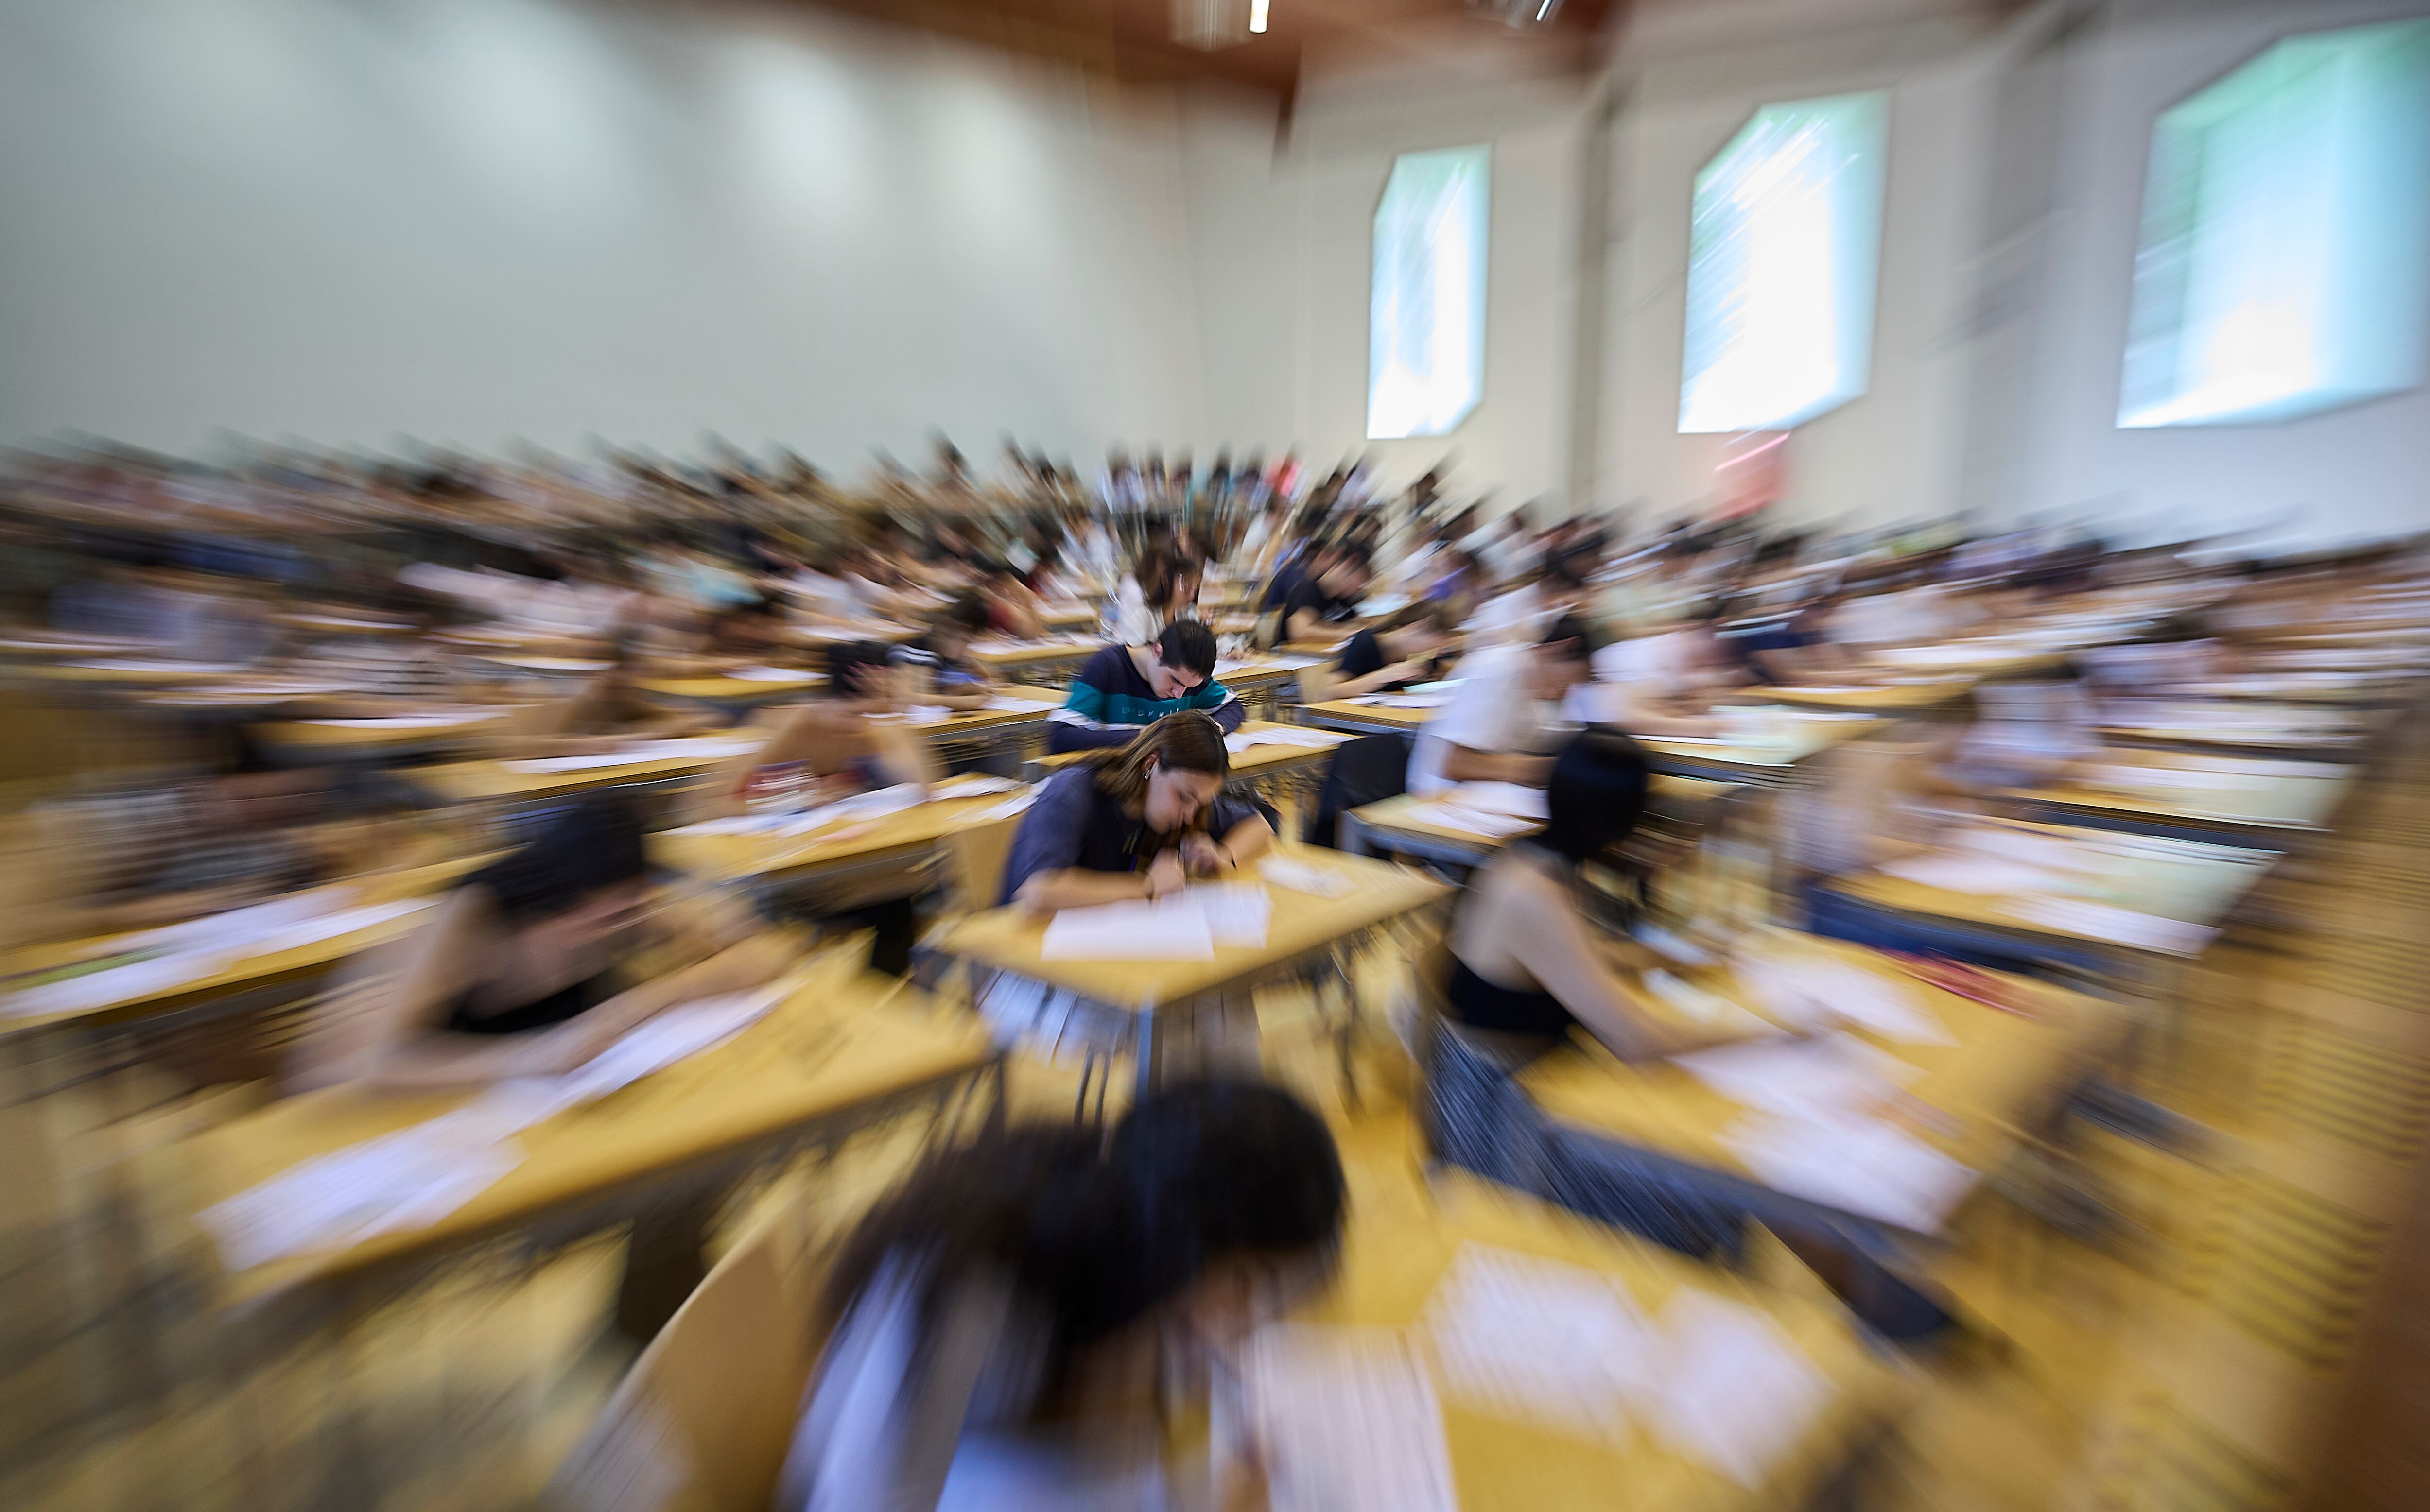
[1700, 1004]
[2123, 927]
[1500, 798]
[116, 984]
[575, 763]
[1005, 704]
[927, 714]
[1492, 827]
[409, 722]
[1307, 739]
[1976, 873]
[1539, 1341]
[1735, 1393]
[198, 668]
[1852, 1162]
[971, 786]
[1006, 809]
[1128, 932]
[1299, 876]
[706, 748]
[770, 674]
[1808, 989]
[1799, 1077]
[1404, 699]
[1347, 1420]
[1237, 913]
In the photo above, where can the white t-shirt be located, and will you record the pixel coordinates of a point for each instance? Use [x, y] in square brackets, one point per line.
[1517, 616]
[1494, 710]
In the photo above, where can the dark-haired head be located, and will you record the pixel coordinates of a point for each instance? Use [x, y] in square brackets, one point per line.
[856, 668]
[593, 847]
[1187, 647]
[1595, 795]
[1201, 1186]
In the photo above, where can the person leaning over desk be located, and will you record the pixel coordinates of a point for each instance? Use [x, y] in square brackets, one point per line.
[1504, 717]
[1135, 822]
[1123, 687]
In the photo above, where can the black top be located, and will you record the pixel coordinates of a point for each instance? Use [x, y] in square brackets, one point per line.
[563, 1004]
[1361, 655]
[1310, 597]
[1480, 1005]
[1074, 823]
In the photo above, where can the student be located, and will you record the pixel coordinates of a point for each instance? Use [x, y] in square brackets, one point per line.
[1329, 598]
[1011, 607]
[1402, 651]
[942, 658]
[1655, 685]
[1162, 591]
[1519, 616]
[1135, 822]
[835, 742]
[1005, 1326]
[1501, 723]
[1124, 687]
[1526, 964]
[606, 710]
[525, 969]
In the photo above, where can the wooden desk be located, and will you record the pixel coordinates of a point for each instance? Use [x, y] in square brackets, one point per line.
[1069, 617]
[543, 777]
[1035, 661]
[2239, 725]
[1875, 698]
[1367, 715]
[731, 693]
[384, 736]
[1147, 1006]
[1263, 683]
[1404, 1237]
[2228, 800]
[252, 970]
[551, 666]
[1982, 661]
[2195, 885]
[832, 850]
[1414, 826]
[1773, 760]
[842, 1051]
[131, 672]
[60, 645]
[987, 731]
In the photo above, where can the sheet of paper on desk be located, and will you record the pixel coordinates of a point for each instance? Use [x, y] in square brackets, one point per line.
[1237, 913]
[2048, 851]
[1007, 809]
[2120, 926]
[1127, 932]
[405, 721]
[1404, 699]
[1735, 1393]
[971, 786]
[1847, 1160]
[115, 984]
[1961, 872]
[664, 1039]
[927, 714]
[1300, 876]
[1492, 827]
[768, 674]
[1005, 704]
[1348, 1421]
[1244, 740]
[711, 749]
[1500, 798]
[1798, 1076]
[417, 1175]
[1802, 988]
[1539, 1341]
[575, 763]
[880, 802]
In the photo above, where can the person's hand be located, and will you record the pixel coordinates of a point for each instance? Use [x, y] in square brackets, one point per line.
[1165, 875]
[1413, 669]
[1202, 856]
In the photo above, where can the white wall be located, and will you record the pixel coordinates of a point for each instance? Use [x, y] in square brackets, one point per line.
[475, 220]
[1285, 251]
[2361, 471]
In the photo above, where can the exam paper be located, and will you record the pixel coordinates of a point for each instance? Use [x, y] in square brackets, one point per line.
[1492, 827]
[1005, 704]
[422, 1172]
[575, 763]
[1128, 932]
[1299, 876]
[2121, 926]
[1007, 809]
[1499, 798]
[1960, 872]
[1857, 1164]
[1800, 1076]
[1348, 1421]
[768, 674]
[408, 721]
[1736, 1392]
[1539, 1341]
[1802, 988]
[115, 984]
[1244, 740]
[1237, 913]
[971, 786]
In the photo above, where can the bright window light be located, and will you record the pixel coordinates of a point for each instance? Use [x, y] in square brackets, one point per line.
[1784, 242]
[1426, 332]
[2282, 266]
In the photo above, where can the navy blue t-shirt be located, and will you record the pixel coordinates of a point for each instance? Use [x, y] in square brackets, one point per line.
[1074, 823]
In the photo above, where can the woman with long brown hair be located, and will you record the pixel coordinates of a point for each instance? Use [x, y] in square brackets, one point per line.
[1134, 821]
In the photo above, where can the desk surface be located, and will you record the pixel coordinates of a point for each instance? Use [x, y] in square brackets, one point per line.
[1798, 740]
[1001, 653]
[2242, 723]
[1404, 1237]
[1873, 697]
[403, 730]
[1009, 940]
[1365, 711]
[844, 1039]
[1424, 818]
[2187, 881]
[1036, 703]
[725, 856]
[1969, 1099]
[543, 776]
[722, 690]
[2183, 786]
[249, 971]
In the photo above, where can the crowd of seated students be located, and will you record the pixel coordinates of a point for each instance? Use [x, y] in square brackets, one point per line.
[1208, 1205]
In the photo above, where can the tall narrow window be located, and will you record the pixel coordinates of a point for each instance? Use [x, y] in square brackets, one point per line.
[1426, 332]
[2283, 265]
[1784, 243]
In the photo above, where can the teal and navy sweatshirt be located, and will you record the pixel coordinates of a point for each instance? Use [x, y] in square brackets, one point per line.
[1109, 702]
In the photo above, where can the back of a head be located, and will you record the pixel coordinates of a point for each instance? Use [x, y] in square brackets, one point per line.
[1186, 646]
[594, 843]
[1595, 795]
[851, 664]
[968, 613]
[1569, 637]
[1190, 740]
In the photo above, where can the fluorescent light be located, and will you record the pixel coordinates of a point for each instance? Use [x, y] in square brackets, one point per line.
[1256, 15]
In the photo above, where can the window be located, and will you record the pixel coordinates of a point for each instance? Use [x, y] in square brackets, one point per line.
[1426, 332]
[2281, 268]
[1783, 245]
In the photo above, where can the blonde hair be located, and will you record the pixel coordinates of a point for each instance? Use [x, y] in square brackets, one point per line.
[1188, 741]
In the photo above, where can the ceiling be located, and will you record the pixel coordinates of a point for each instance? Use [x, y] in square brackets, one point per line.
[1133, 39]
